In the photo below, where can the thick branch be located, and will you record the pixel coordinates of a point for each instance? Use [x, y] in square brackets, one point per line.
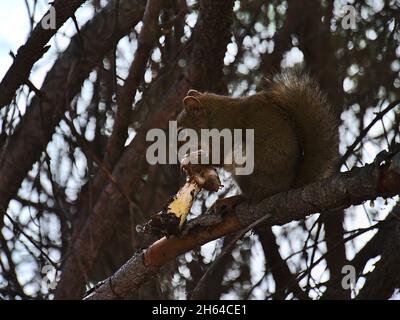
[147, 37]
[211, 34]
[376, 245]
[341, 190]
[283, 41]
[283, 277]
[316, 42]
[62, 83]
[385, 278]
[34, 48]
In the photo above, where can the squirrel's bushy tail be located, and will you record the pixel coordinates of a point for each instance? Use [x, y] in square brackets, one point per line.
[299, 95]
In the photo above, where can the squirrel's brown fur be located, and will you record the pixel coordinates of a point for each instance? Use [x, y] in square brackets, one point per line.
[294, 127]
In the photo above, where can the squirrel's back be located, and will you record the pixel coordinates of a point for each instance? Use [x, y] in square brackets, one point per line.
[299, 96]
[295, 131]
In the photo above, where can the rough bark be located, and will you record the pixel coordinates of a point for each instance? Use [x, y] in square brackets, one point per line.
[214, 19]
[341, 190]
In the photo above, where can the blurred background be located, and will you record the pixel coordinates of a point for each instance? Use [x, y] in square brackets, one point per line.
[72, 141]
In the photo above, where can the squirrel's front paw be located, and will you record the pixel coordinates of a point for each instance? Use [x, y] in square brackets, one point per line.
[226, 205]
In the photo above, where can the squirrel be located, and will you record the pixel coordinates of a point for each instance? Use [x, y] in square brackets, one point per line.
[295, 131]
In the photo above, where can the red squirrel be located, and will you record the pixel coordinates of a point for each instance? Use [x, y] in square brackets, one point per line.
[295, 131]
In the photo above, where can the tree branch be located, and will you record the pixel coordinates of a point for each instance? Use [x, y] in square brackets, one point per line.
[62, 83]
[202, 69]
[385, 278]
[34, 48]
[381, 178]
[146, 40]
[316, 42]
[283, 277]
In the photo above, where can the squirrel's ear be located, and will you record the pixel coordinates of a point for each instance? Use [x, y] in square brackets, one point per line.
[193, 93]
[191, 103]
[193, 107]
